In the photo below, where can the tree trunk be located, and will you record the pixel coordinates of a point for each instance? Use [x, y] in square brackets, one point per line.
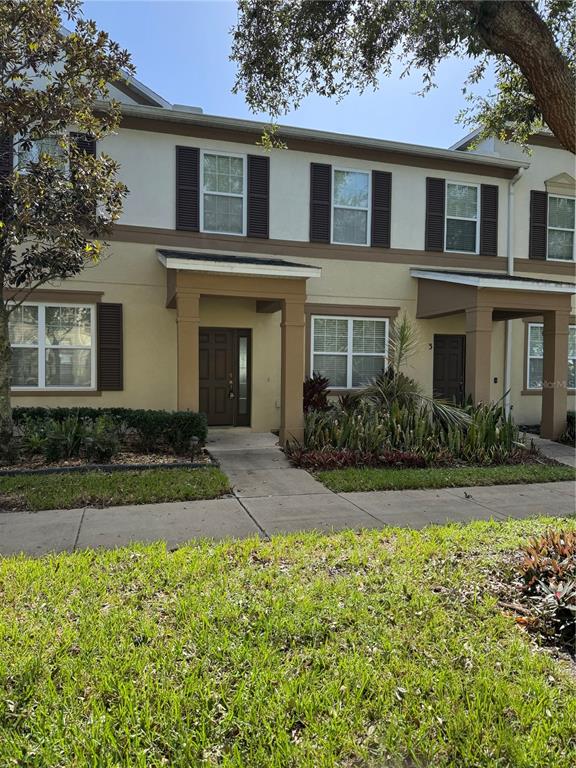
[6, 426]
[515, 30]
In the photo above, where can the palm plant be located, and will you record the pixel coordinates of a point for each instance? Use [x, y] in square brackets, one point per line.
[395, 386]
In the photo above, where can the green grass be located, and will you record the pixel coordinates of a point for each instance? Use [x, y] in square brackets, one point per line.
[347, 480]
[66, 491]
[384, 648]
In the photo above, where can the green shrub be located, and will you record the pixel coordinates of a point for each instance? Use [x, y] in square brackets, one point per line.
[151, 429]
[63, 439]
[101, 442]
[485, 436]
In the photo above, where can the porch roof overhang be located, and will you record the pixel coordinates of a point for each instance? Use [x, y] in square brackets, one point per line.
[447, 293]
[227, 264]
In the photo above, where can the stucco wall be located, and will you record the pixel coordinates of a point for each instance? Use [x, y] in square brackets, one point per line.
[148, 168]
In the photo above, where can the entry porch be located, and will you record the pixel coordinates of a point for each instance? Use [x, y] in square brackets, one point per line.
[486, 298]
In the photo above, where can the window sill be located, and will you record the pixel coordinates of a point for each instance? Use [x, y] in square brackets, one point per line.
[571, 392]
[227, 234]
[465, 253]
[52, 392]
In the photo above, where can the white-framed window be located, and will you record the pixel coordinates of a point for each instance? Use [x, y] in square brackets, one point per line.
[350, 207]
[348, 351]
[462, 215]
[53, 346]
[49, 145]
[223, 199]
[561, 226]
[535, 356]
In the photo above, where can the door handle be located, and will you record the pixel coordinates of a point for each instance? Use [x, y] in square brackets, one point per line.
[231, 394]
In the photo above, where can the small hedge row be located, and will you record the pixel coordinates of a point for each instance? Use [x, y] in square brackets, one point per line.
[153, 429]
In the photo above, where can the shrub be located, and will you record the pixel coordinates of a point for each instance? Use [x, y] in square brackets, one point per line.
[63, 439]
[152, 429]
[548, 586]
[101, 442]
[316, 393]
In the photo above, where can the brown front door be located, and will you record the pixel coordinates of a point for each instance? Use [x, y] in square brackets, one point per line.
[449, 367]
[224, 369]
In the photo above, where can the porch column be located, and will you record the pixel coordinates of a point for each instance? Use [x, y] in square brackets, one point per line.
[555, 378]
[478, 353]
[292, 373]
[188, 322]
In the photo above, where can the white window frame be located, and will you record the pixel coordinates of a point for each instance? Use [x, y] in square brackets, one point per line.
[349, 354]
[537, 357]
[462, 218]
[41, 348]
[560, 229]
[368, 209]
[243, 196]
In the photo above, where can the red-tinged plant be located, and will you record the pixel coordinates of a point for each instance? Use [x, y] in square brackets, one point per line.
[316, 393]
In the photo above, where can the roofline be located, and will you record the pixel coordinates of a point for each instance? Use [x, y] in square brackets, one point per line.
[539, 286]
[229, 268]
[287, 131]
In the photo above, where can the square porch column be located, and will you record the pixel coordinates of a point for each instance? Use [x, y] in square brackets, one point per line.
[555, 374]
[188, 324]
[478, 353]
[292, 373]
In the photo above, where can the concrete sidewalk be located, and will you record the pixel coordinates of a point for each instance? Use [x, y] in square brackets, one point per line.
[37, 533]
[271, 497]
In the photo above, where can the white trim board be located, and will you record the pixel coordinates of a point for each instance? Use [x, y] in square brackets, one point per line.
[229, 268]
[540, 286]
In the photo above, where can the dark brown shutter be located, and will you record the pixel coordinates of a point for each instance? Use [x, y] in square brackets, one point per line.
[110, 347]
[320, 202]
[488, 220]
[85, 143]
[538, 224]
[188, 188]
[6, 156]
[381, 208]
[435, 202]
[258, 213]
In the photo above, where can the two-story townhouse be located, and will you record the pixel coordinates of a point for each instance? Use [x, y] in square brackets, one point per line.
[234, 272]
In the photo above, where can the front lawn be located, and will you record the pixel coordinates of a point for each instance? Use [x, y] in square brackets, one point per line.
[101, 489]
[384, 648]
[366, 479]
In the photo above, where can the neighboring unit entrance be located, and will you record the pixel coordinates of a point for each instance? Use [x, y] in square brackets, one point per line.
[225, 376]
[449, 367]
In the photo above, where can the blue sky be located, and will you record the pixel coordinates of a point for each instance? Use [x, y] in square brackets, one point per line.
[181, 50]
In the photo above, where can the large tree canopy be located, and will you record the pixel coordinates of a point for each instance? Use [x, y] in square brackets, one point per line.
[57, 200]
[287, 49]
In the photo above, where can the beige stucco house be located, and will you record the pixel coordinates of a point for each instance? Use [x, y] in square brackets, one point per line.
[234, 272]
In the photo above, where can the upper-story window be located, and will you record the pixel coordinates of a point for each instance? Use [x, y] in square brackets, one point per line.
[350, 207]
[561, 225]
[462, 214]
[49, 145]
[223, 193]
[53, 346]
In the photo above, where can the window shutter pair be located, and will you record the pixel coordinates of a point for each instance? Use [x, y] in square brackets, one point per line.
[110, 347]
[188, 192]
[321, 205]
[537, 243]
[435, 217]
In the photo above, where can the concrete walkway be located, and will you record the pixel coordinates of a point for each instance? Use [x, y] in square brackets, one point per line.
[270, 497]
[565, 454]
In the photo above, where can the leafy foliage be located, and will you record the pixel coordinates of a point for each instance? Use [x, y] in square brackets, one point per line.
[485, 436]
[55, 205]
[340, 458]
[548, 586]
[287, 49]
[316, 393]
[147, 430]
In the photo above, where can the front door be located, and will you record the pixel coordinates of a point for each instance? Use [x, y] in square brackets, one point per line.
[449, 367]
[224, 370]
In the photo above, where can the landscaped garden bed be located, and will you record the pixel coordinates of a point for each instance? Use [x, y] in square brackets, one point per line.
[49, 438]
[390, 435]
[381, 648]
